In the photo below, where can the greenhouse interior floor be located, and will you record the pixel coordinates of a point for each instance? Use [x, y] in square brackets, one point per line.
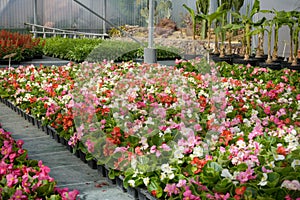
[67, 170]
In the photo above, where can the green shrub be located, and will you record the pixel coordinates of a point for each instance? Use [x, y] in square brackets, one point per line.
[126, 51]
[96, 50]
[70, 49]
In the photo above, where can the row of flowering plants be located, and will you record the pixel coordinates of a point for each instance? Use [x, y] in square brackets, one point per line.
[22, 178]
[23, 45]
[192, 131]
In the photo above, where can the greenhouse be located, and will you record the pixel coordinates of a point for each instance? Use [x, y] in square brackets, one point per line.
[149, 99]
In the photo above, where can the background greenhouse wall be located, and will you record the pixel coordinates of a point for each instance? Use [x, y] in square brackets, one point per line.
[67, 14]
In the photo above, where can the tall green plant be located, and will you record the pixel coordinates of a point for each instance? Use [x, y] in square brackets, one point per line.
[210, 18]
[193, 18]
[267, 26]
[296, 39]
[221, 23]
[292, 20]
[248, 23]
[279, 20]
[203, 7]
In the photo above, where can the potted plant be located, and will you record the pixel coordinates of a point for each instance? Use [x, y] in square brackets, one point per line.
[210, 18]
[247, 23]
[193, 18]
[203, 7]
[268, 27]
[296, 40]
[279, 19]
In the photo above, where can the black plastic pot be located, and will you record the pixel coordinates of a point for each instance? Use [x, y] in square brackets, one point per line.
[274, 66]
[101, 170]
[92, 164]
[242, 61]
[296, 67]
[227, 59]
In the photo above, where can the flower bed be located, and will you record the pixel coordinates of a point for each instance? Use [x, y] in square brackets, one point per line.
[193, 131]
[21, 178]
[21, 44]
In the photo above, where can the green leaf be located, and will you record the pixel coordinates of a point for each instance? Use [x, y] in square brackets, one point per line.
[273, 179]
[242, 167]
[111, 174]
[154, 186]
[45, 189]
[224, 186]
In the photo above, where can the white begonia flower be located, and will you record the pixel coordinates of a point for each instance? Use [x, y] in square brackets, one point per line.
[149, 121]
[241, 144]
[229, 109]
[247, 122]
[178, 153]
[226, 174]
[163, 176]
[271, 164]
[295, 163]
[198, 152]
[146, 181]
[264, 179]
[131, 183]
[166, 168]
[167, 90]
[171, 175]
[278, 157]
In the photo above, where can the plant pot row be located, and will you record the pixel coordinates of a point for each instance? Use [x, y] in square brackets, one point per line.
[275, 65]
[136, 193]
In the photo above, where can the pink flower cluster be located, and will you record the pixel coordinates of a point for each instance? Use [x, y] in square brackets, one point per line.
[24, 178]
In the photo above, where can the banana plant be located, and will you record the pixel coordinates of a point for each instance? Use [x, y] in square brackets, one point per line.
[193, 18]
[221, 22]
[210, 19]
[279, 20]
[202, 6]
[267, 26]
[290, 24]
[230, 28]
[296, 39]
[237, 5]
[248, 23]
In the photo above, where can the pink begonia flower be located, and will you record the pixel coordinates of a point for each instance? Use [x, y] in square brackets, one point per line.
[244, 177]
[70, 195]
[219, 196]
[291, 185]
[188, 195]
[90, 145]
[11, 180]
[266, 170]
[18, 195]
[19, 143]
[3, 167]
[165, 147]
[298, 97]
[171, 189]
[197, 127]
[177, 61]
[181, 183]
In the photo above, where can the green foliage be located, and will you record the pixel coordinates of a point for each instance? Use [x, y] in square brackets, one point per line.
[126, 51]
[70, 49]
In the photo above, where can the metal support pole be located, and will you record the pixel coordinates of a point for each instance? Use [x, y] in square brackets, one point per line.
[34, 17]
[104, 16]
[150, 52]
